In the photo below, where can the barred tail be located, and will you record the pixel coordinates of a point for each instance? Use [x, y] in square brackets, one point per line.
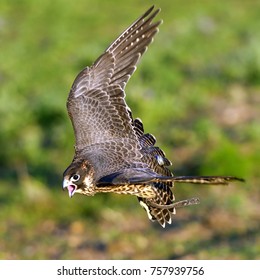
[162, 207]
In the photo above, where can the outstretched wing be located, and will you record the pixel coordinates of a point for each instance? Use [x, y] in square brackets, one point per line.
[96, 103]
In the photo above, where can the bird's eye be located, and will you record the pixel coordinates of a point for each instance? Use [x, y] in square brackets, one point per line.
[75, 177]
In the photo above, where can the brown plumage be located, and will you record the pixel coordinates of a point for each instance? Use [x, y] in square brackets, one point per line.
[112, 152]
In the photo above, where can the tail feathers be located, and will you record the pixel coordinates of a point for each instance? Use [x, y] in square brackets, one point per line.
[164, 196]
[162, 207]
[162, 213]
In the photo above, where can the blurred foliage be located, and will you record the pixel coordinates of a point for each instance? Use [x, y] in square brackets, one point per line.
[197, 90]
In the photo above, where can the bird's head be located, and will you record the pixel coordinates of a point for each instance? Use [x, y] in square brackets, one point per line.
[78, 178]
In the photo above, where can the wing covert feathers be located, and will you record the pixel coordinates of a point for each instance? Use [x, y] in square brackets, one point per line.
[93, 106]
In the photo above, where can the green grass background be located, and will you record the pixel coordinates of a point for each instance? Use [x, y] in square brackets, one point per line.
[197, 90]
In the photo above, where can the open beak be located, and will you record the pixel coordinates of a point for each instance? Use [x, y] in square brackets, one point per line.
[70, 186]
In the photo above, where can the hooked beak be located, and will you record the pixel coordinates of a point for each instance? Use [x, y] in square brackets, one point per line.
[70, 186]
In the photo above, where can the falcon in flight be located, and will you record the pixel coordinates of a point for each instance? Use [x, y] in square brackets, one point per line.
[113, 154]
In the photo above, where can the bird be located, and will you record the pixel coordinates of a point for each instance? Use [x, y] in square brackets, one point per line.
[113, 153]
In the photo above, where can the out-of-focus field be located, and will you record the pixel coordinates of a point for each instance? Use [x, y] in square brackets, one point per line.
[197, 90]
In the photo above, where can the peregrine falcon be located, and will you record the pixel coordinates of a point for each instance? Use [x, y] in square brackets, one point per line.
[113, 154]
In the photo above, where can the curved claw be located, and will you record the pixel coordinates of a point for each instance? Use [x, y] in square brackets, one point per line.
[178, 204]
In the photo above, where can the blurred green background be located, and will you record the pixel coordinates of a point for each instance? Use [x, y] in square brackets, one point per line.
[197, 90]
